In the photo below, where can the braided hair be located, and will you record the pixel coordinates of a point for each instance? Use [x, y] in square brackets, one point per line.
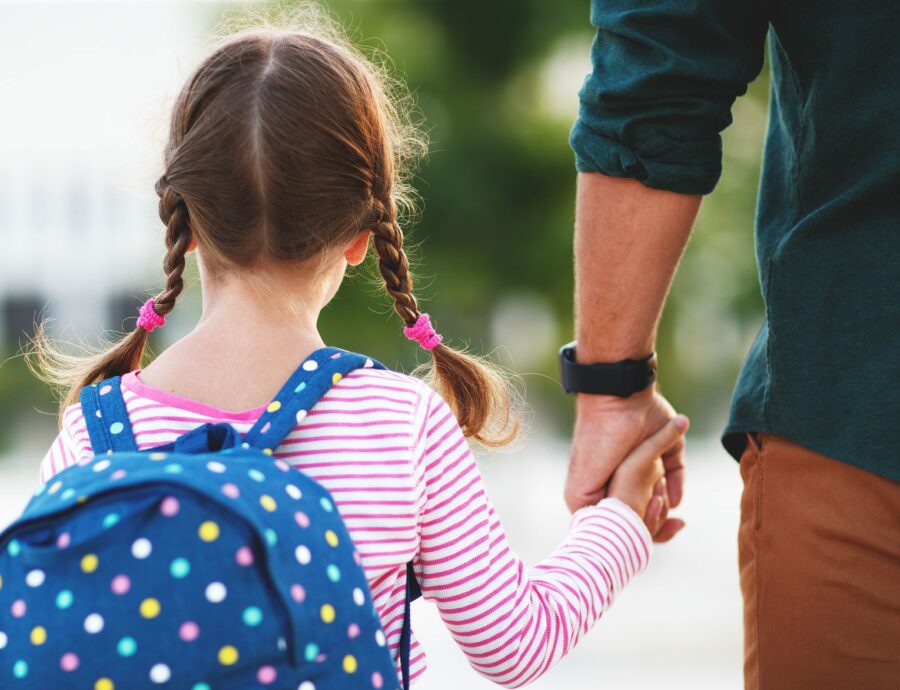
[285, 143]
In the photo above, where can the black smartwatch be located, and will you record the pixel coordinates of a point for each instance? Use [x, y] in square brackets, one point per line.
[621, 379]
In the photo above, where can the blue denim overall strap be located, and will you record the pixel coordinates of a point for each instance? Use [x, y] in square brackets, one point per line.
[106, 417]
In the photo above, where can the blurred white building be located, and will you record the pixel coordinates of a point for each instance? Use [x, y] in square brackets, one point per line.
[86, 96]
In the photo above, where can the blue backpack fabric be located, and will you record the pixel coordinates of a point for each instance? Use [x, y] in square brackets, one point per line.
[204, 564]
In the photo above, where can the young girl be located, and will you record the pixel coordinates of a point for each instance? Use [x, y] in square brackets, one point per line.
[284, 161]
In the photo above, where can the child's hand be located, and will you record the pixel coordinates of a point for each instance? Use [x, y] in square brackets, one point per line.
[640, 480]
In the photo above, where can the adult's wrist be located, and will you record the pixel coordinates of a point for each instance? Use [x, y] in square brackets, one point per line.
[591, 403]
[622, 378]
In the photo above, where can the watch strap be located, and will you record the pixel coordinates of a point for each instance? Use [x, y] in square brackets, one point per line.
[621, 379]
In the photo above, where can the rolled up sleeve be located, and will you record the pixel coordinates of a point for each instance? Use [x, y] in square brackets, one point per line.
[665, 75]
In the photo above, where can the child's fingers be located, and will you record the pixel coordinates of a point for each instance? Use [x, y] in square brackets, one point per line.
[656, 445]
[653, 516]
[674, 461]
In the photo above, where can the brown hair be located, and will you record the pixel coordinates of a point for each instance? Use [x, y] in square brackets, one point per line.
[282, 144]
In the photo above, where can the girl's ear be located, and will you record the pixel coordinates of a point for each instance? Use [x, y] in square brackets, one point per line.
[356, 251]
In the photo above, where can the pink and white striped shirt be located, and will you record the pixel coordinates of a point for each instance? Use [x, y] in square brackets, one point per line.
[391, 452]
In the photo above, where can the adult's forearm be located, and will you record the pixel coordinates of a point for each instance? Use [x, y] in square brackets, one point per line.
[628, 241]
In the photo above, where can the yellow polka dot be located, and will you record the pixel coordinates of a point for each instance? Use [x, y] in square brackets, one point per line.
[336, 378]
[274, 406]
[104, 684]
[331, 538]
[228, 656]
[267, 451]
[57, 485]
[349, 664]
[209, 531]
[89, 563]
[82, 499]
[268, 503]
[150, 608]
[327, 613]
[38, 636]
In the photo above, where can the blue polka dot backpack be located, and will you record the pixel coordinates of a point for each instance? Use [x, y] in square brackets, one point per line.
[204, 564]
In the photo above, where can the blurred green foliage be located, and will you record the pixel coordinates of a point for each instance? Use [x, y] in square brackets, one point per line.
[498, 196]
[497, 85]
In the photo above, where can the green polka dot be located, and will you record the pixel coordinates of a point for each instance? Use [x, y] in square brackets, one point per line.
[271, 537]
[20, 669]
[110, 520]
[174, 468]
[300, 387]
[256, 475]
[14, 548]
[180, 568]
[126, 647]
[201, 686]
[333, 572]
[64, 599]
[252, 616]
[326, 504]
[116, 428]
[311, 651]
[67, 494]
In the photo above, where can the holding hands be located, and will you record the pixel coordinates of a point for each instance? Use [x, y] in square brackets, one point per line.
[645, 431]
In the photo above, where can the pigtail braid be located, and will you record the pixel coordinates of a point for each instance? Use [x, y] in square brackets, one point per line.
[174, 213]
[479, 395]
[69, 372]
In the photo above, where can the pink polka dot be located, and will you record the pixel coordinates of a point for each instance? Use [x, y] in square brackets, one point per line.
[377, 680]
[335, 355]
[244, 556]
[265, 427]
[118, 474]
[18, 608]
[106, 389]
[69, 662]
[63, 540]
[298, 593]
[120, 584]
[321, 658]
[282, 465]
[301, 518]
[189, 631]
[266, 675]
[353, 631]
[357, 558]
[169, 506]
[231, 490]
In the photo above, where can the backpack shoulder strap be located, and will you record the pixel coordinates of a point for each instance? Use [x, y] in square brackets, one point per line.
[311, 380]
[106, 417]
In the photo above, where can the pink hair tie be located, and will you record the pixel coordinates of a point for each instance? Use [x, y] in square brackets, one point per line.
[423, 332]
[148, 318]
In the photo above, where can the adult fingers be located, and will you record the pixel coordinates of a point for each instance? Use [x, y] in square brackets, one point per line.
[669, 529]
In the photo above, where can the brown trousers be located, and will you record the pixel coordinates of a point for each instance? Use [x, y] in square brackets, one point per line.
[819, 545]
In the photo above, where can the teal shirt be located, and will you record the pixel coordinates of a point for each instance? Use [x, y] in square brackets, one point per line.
[824, 370]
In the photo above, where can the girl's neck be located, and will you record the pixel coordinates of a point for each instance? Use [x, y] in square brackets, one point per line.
[248, 341]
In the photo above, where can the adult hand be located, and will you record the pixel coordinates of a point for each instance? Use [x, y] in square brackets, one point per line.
[607, 429]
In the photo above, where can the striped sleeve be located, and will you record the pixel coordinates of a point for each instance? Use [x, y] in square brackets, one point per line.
[71, 444]
[512, 622]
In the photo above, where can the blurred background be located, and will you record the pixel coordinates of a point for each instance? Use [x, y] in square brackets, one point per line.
[87, 90]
